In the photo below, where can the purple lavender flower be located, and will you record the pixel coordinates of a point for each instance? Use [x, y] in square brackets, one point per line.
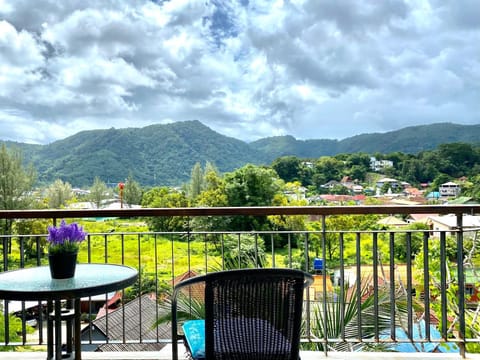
[65, 238]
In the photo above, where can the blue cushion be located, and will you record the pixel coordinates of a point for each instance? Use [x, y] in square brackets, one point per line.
[194, 331]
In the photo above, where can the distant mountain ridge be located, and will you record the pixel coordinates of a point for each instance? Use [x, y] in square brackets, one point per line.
[410, 140]
[159, 155]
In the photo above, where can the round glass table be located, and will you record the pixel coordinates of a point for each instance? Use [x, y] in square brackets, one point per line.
[90, 279]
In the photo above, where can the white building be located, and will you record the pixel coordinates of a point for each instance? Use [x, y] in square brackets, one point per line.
[378, 165]
[449, 189]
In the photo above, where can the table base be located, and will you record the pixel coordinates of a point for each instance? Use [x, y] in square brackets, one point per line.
[72, 343]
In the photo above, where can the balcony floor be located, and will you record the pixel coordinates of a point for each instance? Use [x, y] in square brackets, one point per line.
[166, 354]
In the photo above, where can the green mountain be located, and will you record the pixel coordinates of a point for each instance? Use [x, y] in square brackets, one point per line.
[409, 140]
[153, 155]
[165, 154]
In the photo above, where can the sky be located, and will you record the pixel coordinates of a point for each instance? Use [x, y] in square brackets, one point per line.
[248, 69]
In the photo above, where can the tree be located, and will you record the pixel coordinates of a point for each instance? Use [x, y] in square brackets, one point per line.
[16, 184]
[251, 186]
[132, 192]
[33, 246]
[287, 168]
[212, 196]
[163, 197]
[331, 168]
[58, 194]
[458, 158]
[98, 192]
[196, 184]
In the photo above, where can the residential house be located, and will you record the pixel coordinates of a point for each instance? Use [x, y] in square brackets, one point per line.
[122, 324]
[351, 185]
[379, 165]
[419, 218]
[471, 224]
[412, 192]
[296, 192]
[392, 182]
[196, 290]
[449, 189]
[331, 184]
[433, 195]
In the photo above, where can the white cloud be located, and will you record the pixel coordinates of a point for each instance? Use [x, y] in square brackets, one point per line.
[247, 69]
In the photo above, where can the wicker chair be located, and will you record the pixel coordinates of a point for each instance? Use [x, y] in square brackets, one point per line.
[250, 314]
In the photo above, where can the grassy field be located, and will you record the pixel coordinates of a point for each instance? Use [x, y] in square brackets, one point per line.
[129, 242]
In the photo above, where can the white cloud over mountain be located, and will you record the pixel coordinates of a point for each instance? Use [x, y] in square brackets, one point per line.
[247, 69]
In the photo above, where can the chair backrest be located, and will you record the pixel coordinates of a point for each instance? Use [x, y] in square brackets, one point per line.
[254, 313]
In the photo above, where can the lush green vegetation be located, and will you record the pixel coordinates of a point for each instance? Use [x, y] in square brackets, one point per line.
[162, 155]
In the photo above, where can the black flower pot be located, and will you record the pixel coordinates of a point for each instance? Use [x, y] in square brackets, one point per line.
[62, 265]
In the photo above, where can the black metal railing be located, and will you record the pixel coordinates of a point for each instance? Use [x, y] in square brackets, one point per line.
[375, 288]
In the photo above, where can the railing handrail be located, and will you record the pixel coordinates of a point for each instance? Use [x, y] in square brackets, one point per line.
[246, 211]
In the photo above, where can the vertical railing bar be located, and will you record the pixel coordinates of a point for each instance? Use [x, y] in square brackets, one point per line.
[22, 251]
[408, 237]
[426, 285]
[37, 242]
[123, 248]
[205, 249]
[289, 240]
[392, 287]
[124, 332]
[189, 249]
[461, 284]
[40, 305]
[443, 283]
[5, 254]
[24, 324]
[7, 322]
[239, 251]
[272, 243]
[306, 249]
[222, 248]
[324, 300]
[358, 284]
[139, 237]
[105, 244]
[22, 265]
[256, 250]
[89, 248]
[375, 285]
[89, 260]
[172, 252]
[155, 252]
[342, 285]
[107, 318]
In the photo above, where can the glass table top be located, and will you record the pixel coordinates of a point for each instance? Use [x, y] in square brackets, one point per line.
[90, 279]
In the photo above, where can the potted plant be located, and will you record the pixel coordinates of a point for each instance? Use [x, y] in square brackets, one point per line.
[63, 244]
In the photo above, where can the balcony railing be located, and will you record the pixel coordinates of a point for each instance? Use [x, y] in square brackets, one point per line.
[363, 296]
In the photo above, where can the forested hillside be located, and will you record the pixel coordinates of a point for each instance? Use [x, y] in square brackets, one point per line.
[410, 140]
[153, 155]
[166, 154]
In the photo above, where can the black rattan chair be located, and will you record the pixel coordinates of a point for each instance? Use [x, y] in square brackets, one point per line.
[249, 314]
